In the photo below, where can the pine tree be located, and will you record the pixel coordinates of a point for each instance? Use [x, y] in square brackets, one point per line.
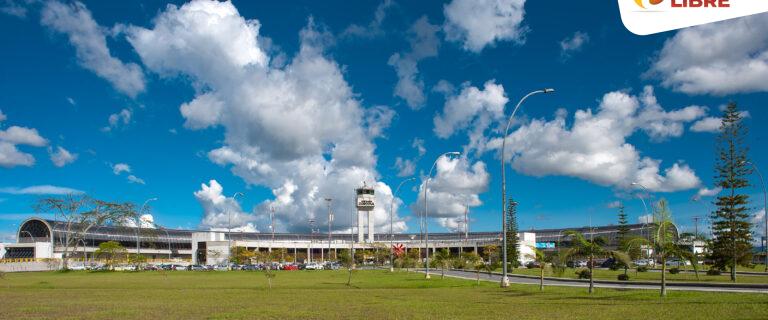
[731, 245]
[623, 229]
[513, 252]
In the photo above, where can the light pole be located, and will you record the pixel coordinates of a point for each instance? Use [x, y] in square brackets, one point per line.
[504, 278]
[330, 221]
[229, 230]
[765, 213]
[391, 215]
[138, 229]
[648, 194]
[426, 207]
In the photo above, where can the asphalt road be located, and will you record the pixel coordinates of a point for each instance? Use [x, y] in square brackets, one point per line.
[552, 282]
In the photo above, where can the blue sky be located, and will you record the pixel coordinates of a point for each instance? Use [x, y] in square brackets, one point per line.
[291, 102]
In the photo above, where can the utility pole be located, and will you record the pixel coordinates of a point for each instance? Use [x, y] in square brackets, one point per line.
[466, 221]
[330, 222]
[696, 226]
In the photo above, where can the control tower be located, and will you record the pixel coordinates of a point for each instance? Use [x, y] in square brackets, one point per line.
[365, 202]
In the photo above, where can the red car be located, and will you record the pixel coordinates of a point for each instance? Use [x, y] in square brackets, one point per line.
[290, 267]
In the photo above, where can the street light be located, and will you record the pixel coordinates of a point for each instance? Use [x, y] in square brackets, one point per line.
[391, 234]
[426, 210]
[138, 229]
[330, 221]
[645, 221]
[765, 213]
[504, 278]
[229, 229]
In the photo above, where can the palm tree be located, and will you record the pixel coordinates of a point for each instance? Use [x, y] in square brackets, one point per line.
[542, 259]
[592, 247]
[473, 260]
[664, 242]
[443, 259]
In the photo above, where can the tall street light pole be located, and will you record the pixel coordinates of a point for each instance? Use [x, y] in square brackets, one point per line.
[229, 230]
[138, 229]
[504, 278]
[426, 207]
[650, 197]
[330, 222]
[391, 219]
[765, 213]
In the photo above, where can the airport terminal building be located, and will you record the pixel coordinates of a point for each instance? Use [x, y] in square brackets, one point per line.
[41, 238]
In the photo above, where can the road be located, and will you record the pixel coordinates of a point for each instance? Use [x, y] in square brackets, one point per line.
[598, 284]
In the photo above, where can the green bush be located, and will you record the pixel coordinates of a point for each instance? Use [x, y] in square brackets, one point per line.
[674, 270]
[623, 277]
[642, 269]
[713, 272]
[583, 273]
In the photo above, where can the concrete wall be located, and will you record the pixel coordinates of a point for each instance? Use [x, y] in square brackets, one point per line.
[28, 266]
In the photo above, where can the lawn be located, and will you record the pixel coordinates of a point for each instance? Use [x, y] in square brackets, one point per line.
[323, 294]
[605, 274]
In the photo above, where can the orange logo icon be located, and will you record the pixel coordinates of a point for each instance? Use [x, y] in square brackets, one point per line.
[653, 2]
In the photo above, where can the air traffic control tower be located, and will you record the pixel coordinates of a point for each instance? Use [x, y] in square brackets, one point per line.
[365, 202]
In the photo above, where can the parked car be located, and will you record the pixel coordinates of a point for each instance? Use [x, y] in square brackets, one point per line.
[77, 267]
[644, 262]
[196, 267]
[290, 267]
[250, 267]
[677, 263]
[313, 266]
[577, 264]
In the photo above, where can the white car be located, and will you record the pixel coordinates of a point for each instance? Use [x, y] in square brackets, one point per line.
[677, 263]
[313, 266]
[78, 267]
[645, 262]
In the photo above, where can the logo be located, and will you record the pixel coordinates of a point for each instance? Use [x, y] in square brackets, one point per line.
[653, 2]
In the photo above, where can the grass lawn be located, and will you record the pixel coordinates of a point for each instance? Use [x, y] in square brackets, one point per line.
[649, 276]
[323, 294]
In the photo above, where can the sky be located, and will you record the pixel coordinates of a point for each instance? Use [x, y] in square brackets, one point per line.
[293, 102]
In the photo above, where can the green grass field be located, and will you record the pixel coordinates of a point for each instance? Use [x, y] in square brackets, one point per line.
[323, 294]
[649, 276]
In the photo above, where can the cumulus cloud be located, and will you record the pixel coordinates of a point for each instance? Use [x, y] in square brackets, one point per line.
[147, 222]
[13, 8]
[418, 144]
[405, 167]
[10, 155]
[61, 157]
[480, 23]
[645, 219]
[595, 147]
[708, 124]
[295, 127]
[474, 110]
[614, 204]
[720, 58]
[706, 192]
[455, 186]
[573, 44]
[373, 29]
[119, 168]
[90, 42]
[424, 43]
[117, 119]
[134, 179]
[221, 212]
[40, 190]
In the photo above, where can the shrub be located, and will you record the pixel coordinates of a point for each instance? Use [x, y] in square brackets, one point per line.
[623, 277]
[674, 270]
[642, 269]
[713, 272]
[583, 273]
[615, 266]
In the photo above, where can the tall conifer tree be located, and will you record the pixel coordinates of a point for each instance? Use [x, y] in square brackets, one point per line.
[732, 243]
[513, 252]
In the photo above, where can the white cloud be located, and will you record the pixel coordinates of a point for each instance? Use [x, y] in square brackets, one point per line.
[480, 23]
[708, 124]
[40, 190]
[120, 168]
[455, 186]
[117, 119]
[147, 222]
[295, 127]
[373, 29]
[418, 144]
[570, 45]
[71, 101]
[706, 192]
[13, 8]
[134, 179]
[405, 167]
[21, 135]
[595, 147]
[472, 109]
[10, 155]
[221, 212]
[424, 43]
[3, 117]
[89, 40]
[614, 204]
[718, 58]
[61, 157]
[202, 112]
